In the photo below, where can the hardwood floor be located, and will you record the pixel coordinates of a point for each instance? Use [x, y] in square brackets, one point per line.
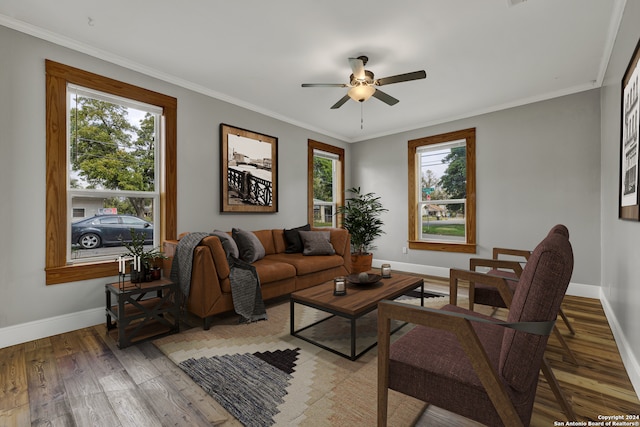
[81, 378]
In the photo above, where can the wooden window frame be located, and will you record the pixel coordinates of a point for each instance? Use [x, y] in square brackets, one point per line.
[469, 135]
[315, 145]
[58, 76]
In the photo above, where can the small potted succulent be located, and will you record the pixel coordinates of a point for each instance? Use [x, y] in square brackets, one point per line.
[361, 218]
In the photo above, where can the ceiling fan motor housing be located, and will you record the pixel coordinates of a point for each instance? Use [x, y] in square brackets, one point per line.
[368, 79]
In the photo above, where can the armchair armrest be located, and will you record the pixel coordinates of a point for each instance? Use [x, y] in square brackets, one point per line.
[513, 252]
[515, 266]
[467, 338]
[472, 277]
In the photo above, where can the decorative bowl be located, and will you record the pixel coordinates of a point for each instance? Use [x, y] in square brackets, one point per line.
[371, 279]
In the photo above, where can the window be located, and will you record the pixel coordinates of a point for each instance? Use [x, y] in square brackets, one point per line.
[112, 172]
[325, 183]
[442, 192]
[82, 165]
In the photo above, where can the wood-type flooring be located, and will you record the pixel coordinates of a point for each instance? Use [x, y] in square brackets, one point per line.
[82, 378]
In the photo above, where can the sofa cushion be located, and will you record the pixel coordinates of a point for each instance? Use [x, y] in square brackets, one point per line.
[249, 245]
[266, 238]
[316, 243]
[228, 244]
[308, 264]
[293, 240]
[270, 271]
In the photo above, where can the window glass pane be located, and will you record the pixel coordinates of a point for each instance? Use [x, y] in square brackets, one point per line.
[442, 191]
[111, 146]
[323, 214]
[100, 235]
[323, 173]
[324, 189]
[443, 220]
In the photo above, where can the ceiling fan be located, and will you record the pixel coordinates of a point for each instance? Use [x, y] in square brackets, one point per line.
[363, 86]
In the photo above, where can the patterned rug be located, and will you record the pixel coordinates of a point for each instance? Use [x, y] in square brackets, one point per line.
[263, 376]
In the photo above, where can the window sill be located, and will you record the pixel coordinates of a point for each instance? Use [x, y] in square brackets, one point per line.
[468, 248]
[78, 272]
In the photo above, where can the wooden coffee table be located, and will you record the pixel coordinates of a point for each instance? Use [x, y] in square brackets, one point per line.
[359, 300]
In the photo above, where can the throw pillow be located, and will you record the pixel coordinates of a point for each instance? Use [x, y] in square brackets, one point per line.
[249, 246]
[293, 240]
[316, 243]
[228, 244]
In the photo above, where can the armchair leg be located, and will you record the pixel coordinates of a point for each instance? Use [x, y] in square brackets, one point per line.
[569, 354]
[384, 343]
[566, 322]
[557, 391]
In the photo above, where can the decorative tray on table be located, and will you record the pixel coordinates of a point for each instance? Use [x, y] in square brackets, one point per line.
[356, 279]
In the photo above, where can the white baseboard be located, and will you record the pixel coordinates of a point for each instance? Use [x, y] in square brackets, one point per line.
[629, 359]
[427, 270]
[25, 332]
[575, 289]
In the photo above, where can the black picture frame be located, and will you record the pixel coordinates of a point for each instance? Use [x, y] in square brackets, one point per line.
[249, 171]
[629, 208]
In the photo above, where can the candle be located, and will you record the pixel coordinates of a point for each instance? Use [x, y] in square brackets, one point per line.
[385, 271]
[339, 286]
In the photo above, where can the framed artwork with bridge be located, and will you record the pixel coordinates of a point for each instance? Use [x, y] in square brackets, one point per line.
[249, 165]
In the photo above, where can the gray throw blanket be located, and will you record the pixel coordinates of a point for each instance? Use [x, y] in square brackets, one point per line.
[245, 291]
[244, 281]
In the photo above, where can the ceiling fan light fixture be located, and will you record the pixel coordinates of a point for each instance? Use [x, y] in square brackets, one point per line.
[361, 93]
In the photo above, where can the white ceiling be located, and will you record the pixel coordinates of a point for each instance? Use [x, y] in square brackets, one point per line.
[479, 55]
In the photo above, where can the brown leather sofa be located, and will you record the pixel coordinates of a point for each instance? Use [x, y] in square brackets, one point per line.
[280, 273]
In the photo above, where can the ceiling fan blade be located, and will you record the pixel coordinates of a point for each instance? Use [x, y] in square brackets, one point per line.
[416, 75]
[341, 102]
[357, 67]
[387, 99]
[324, 85]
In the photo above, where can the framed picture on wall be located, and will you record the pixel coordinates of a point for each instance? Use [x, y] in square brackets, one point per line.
[629, 132]
[249, 168]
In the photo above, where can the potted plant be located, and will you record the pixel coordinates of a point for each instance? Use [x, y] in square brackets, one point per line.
[361, 218]
[148, 258]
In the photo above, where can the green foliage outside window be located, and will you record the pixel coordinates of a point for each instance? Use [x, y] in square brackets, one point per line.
[109, 152]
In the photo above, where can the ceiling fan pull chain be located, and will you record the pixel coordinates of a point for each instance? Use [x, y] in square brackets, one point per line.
[361, 116]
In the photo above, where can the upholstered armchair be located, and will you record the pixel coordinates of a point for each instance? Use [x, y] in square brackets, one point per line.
[511, 269]
[475, 365]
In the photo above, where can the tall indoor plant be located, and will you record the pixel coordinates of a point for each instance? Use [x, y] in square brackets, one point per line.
[361, 218]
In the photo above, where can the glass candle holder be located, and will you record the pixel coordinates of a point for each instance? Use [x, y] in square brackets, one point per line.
[340, 286]
[385, 271]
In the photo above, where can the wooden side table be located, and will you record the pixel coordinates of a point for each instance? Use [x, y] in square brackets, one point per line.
[133, 316]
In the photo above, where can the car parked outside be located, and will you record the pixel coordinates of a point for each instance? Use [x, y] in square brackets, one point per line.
[105, 230]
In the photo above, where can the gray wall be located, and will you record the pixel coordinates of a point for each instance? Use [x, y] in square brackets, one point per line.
[23, 292]
[620, 248]
[537, 165]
